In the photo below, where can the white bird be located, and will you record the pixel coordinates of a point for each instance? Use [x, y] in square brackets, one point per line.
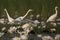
[53, 17]
[22, 17]
[11, 20]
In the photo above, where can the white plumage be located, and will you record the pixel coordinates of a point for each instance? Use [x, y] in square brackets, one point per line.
[53, 17]
[9, 18]
[22, 17]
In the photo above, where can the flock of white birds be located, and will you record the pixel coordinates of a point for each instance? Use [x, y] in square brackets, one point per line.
[28, 24]
[10, 20]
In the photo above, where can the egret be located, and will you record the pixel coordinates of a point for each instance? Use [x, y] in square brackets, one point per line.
[53, 17]
[11, 20]
[22, 17]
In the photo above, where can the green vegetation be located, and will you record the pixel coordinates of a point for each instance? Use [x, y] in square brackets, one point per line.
[43, 7]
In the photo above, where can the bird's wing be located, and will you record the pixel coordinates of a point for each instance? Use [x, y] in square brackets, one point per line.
[51, 18]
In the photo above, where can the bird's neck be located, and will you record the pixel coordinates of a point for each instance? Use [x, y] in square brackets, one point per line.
[56, 11]
[9, 18]
[26, 14]
[8, 15]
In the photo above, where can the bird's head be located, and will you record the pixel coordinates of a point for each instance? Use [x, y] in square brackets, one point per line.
[30, 10]
[5, 9]
[56, 7]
